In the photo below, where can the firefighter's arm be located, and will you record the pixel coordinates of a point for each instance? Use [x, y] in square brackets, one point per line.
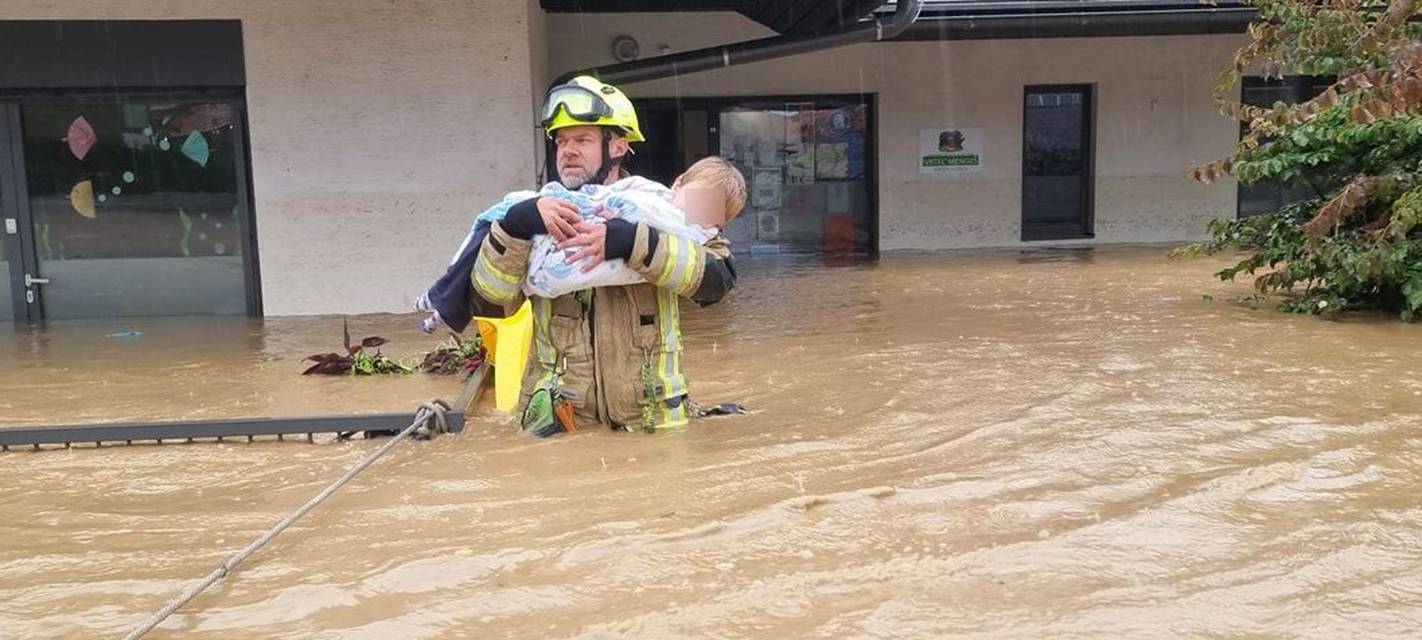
[703, 273]
[502, 265]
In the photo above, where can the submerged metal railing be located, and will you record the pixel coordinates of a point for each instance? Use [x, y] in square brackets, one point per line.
[182, 431]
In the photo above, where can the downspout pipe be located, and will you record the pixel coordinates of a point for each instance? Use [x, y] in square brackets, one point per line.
[1083, 24]
[905, 13]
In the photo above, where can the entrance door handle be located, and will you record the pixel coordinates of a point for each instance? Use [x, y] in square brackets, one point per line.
[31, 280]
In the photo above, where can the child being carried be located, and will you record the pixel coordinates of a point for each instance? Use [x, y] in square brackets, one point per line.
[711, 190]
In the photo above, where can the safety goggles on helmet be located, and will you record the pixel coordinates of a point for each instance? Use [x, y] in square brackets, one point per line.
[579, 103]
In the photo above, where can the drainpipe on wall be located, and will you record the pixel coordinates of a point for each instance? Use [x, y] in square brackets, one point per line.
[905, 13]
[1084, 24]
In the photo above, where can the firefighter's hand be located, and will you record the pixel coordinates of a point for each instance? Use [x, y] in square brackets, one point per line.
[559, 216]
[591, 244]
[601, 242]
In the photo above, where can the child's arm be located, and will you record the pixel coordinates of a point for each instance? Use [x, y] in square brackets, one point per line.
[450, 297]
[499, 269]
[502, 266]
[489, 216]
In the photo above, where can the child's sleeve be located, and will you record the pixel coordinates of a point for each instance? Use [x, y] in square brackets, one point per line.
[489, 216]
[502, 264]
[501, 208]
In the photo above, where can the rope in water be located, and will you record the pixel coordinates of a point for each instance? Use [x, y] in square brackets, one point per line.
[430, 418]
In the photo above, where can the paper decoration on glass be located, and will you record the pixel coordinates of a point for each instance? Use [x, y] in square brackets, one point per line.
[843, 127]
[800, 143]
[81, 197]
[765, 188]
[196, 149]
[185, 241]
[832, 161]
[81, 137]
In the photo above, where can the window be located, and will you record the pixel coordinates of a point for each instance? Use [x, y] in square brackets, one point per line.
[1260, 198]
[1057, 163]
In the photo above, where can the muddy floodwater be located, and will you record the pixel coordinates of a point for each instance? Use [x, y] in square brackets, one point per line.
[1050, 444]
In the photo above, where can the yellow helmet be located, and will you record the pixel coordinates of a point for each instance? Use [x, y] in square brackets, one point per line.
[585, 101]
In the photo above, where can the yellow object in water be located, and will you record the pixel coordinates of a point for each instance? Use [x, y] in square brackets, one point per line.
[81, 197]
[506, 345]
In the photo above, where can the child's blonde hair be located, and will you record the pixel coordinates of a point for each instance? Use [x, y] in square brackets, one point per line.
[716, 171]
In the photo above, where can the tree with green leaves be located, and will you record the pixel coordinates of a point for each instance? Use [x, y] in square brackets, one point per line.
[1356, 242]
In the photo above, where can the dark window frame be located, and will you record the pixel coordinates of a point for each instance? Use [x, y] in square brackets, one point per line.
[1088, 173]
[714, 104]
[177, 59]
[1302, 88]
[14, 99]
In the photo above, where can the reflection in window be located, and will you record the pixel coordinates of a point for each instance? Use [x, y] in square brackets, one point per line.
[1055, 155]
[157, 180]
[136, 205]
[1259, 198]
[805, 166]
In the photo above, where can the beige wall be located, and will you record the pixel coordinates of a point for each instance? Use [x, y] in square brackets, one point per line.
[539, 76]
[1154, 115]
[377, 129]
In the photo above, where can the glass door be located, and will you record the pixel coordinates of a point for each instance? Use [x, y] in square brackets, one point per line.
[807, 164]
[7, 303]
[1056, 163]
[13, 258]
[135, 205]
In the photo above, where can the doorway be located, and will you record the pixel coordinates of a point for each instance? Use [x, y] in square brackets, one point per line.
[1057, 163]
[807, 160]
[125, 204]
[121, 195]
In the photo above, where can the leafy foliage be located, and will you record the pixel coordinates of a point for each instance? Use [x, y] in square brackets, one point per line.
[356, 360]
[1357, 146]
[457, 355]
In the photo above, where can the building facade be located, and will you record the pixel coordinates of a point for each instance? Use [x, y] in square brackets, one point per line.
[283, 158]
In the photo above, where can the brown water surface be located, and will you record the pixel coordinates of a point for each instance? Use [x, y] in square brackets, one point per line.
[1064, 444]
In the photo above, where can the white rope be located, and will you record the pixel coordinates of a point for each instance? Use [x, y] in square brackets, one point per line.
[432, 411]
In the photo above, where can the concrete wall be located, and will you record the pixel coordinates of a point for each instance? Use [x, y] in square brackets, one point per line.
[377, 129]
[1155, 118]
[539, 74]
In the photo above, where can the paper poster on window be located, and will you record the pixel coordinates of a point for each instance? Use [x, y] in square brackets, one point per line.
[800, 143]
[950, 150]
[742, 134]
[839, 125]
[840, 133]
[800, 148]
[801, 169]
[832, 161]
[767, 153]
[765, 188]
[767, 226]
